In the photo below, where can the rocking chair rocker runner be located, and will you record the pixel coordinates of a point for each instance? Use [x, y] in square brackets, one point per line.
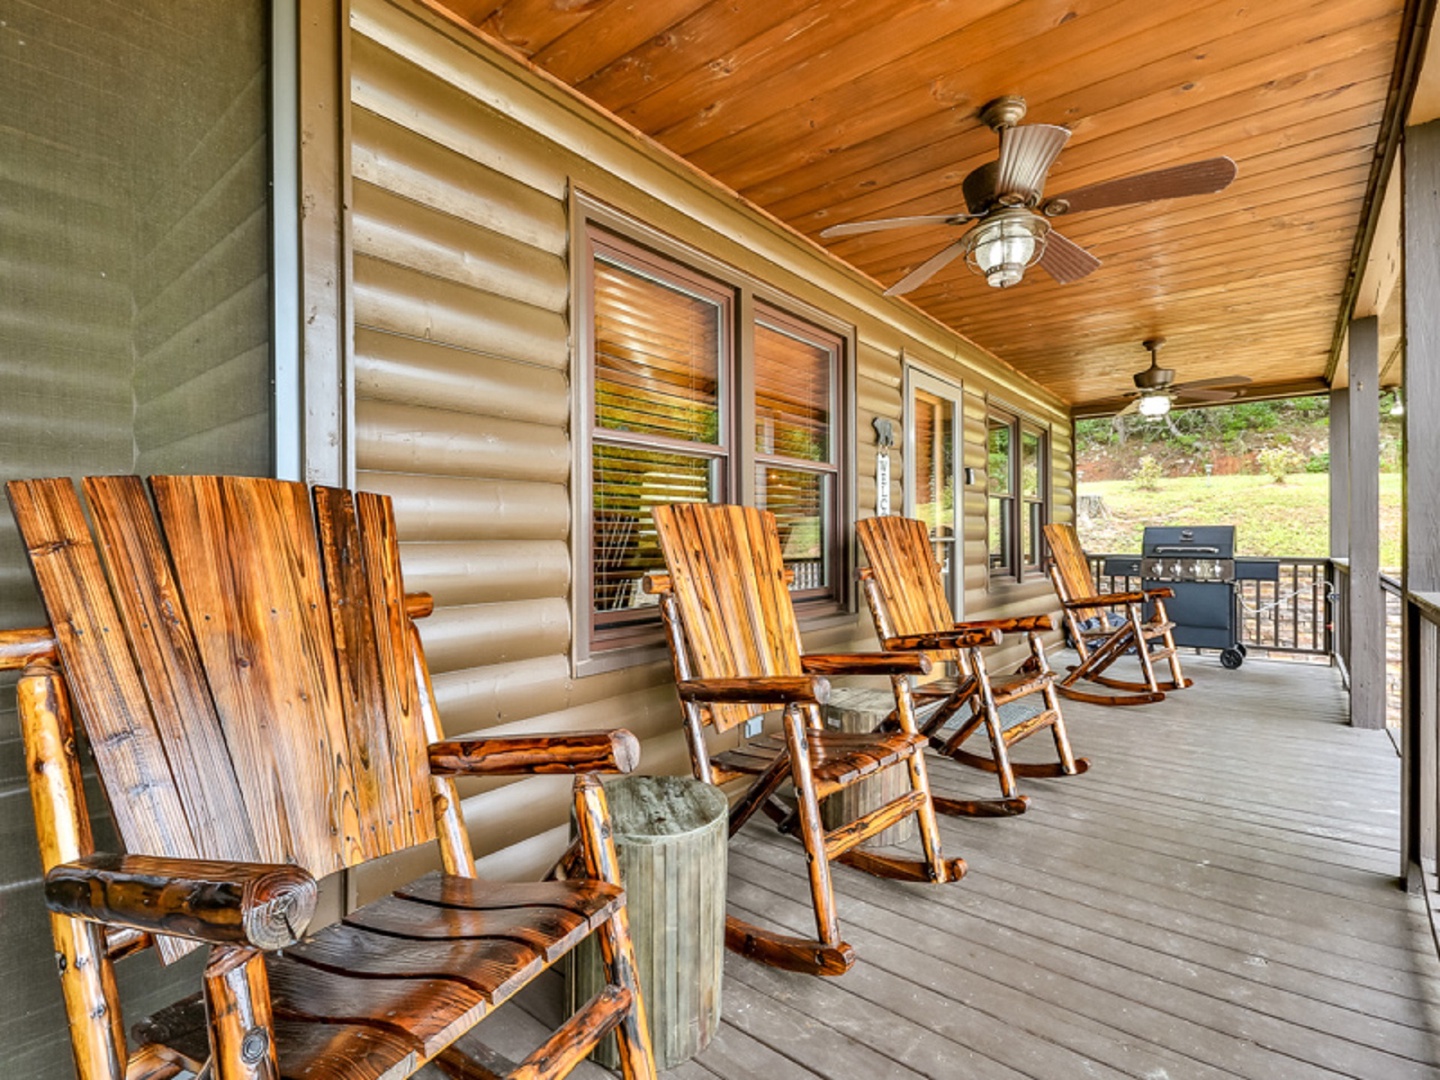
[1100, 643]
[253, 688]
[736, 651]
[912, 615]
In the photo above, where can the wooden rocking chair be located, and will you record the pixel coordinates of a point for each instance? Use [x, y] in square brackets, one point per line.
[255, 696]
[736, 650]
[912, 615]
[1099, 642]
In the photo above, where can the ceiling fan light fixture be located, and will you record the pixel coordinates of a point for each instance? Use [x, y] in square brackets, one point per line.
[1005, 245]
[1154, 406]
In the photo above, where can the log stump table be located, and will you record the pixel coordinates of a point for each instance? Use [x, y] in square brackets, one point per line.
[671, 836]
[861, 709]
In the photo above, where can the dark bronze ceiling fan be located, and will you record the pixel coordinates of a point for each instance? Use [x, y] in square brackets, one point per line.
[1156, 389]
[1005, 198]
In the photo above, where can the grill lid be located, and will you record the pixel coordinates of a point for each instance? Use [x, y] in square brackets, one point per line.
[1207, 541]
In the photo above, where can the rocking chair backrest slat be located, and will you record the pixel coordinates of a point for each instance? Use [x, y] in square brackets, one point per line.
[904, 570]
[727, 575]
[1071, 568]
[253, 696]
[378, 685]
[103, 679]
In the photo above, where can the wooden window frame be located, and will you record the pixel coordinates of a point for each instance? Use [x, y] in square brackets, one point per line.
[1017, 505]
[598, 649]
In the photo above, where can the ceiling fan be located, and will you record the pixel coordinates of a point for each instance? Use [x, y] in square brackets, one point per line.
[1005, 198]
[1156, 389]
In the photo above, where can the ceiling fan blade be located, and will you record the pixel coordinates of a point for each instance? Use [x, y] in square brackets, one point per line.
[928, 269]
[1134, 406]
[1203, 395]
[1026, 154]
[1213, 384]
[855, 227]
[1194, 178]
[1066, 261]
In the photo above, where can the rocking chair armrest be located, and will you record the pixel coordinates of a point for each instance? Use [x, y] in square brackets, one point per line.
[1106, 599]
[19, 647]
[1164, 592]
[962, 637]
[612, 751]
[756, 690]
[1019, 624]
[419, 604]
[256, 905]
[865, 664]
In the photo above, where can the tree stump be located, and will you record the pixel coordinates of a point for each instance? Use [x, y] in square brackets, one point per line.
[671, 837]
[861, 709]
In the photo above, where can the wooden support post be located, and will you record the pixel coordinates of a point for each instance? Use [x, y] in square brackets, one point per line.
[1367, 602]
[87, 977]
[237, 998]
[597, 848]
[1421, 379]
[671, 839]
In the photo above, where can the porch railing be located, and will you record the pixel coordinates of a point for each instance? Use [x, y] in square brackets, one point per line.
[1289, 615]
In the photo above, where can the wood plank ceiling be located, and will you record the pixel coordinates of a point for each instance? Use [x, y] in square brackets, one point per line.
[837, 110]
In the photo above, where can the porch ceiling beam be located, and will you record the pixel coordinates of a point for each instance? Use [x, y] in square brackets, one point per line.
[1410, 58]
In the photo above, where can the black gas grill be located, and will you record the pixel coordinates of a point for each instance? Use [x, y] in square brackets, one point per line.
[1199, 564]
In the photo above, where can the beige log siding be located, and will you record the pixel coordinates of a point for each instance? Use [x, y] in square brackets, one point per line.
[462, 165]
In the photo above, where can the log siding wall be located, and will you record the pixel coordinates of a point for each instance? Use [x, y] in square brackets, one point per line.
[134, 337]
[462, 165]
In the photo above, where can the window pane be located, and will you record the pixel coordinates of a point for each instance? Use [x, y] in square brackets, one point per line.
[1030, 541]
[793, 390]
[1030, 464]
[1001, 510]
[934, 463]
[657, 357]
[998, 467]
[800, 501]
[628, 482]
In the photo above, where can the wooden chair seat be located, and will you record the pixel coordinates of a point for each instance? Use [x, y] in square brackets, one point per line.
[1101, 646]
[837, 759]
[735, 647]
[1004, 688]
[912, 614]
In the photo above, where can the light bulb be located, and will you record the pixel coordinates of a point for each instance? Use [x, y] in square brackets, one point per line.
[1154, 405]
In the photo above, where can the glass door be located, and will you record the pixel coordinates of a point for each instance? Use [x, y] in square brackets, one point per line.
[933, 447]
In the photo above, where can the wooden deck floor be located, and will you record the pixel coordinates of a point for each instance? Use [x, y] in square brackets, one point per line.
[1215, 898]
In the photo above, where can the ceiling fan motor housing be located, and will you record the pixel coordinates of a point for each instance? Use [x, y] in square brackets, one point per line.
[1154, 378]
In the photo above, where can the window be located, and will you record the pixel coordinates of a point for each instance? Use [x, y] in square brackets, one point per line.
[1016, 452]
[691, 387]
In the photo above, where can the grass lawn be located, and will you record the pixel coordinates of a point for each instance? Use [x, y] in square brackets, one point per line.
[1269, 518]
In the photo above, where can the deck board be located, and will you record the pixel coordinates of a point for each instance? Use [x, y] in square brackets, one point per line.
[1216, 899]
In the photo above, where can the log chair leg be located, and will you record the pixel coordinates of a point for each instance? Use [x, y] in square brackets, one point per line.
[1052, 705]
[939, 869]
[812, 832]
[87, 976]
[237, 1000]
[1176, 675]
[617, 952]
[1142, 648]
[999, 750]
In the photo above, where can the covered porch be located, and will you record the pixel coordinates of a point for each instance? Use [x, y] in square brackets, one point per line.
[1238, 887]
